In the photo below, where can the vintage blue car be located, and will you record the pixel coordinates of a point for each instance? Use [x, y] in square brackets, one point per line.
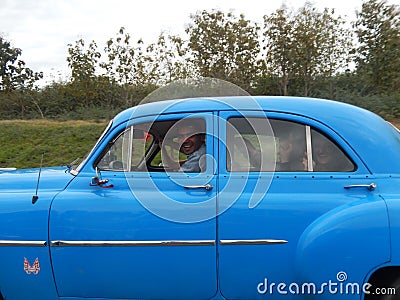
[219, 198]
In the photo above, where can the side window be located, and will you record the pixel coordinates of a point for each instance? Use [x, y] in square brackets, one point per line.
[327, 156]
[250, 145]
[182, 146]
[172, 145]
[290, 139]
[289, 147]
[127, 151]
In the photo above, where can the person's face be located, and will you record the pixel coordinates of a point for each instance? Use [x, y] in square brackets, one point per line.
[323, 151]
[189, 140]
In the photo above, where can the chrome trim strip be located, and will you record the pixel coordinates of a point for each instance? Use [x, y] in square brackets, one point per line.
[310, 166]
[132, 243]
[130, 147]
[4, 243]
[252, 242]
[7, 169]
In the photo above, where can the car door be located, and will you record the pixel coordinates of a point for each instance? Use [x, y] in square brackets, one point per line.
[143, 234]
[293, 232]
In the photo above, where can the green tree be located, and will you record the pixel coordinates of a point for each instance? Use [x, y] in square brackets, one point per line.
[131, 66]
[224, 46]
[336, 50]
[302, 47]
[378, 54]
[87, 88]
[124, 60]
[13, 72]
[83, 61]
[278, 52]
[17, 90]
[169, 59]
[322, 45]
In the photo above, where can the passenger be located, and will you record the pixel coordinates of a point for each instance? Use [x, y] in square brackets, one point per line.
[328, 157]
[291, 155]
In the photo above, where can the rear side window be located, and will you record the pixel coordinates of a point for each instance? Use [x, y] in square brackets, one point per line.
[289, 147]
[327, 156]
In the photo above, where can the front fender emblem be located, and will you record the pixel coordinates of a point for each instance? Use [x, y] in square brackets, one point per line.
[35, 268]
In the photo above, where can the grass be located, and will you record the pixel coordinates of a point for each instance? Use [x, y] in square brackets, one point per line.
[23, 142]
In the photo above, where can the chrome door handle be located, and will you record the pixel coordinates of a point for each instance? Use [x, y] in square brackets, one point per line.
[370, 186]
[207, 187]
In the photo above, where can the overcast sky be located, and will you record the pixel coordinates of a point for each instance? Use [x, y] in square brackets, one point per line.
[44, 28]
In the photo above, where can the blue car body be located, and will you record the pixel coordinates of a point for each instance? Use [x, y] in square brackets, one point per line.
[143, 231]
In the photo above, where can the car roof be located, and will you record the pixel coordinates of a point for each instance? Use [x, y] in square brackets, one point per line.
[376, 142]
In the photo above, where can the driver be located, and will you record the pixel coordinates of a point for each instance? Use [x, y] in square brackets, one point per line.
[190, 141]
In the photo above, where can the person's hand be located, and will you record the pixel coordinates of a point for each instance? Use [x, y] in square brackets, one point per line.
[167, 142]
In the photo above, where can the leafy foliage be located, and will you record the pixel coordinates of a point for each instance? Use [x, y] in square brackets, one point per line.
[304, 53]
[224, 46]
[83, 61]
[170, 59]
[13, 73]
[378, 54]
[125, 62]
[303, 46]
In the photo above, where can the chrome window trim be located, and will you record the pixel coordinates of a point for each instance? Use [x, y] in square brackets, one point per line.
[310, 167]
[130, 152]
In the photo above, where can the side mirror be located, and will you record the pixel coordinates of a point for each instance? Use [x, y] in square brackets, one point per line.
[97, 181]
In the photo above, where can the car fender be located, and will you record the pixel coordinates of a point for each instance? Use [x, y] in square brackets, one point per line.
[345, 244]
[26, 270]
[393, 204]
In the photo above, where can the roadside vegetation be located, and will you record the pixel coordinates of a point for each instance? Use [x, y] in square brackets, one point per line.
[304, 52]
[24, 142]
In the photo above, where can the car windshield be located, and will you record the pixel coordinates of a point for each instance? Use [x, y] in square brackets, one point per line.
[75, 169]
